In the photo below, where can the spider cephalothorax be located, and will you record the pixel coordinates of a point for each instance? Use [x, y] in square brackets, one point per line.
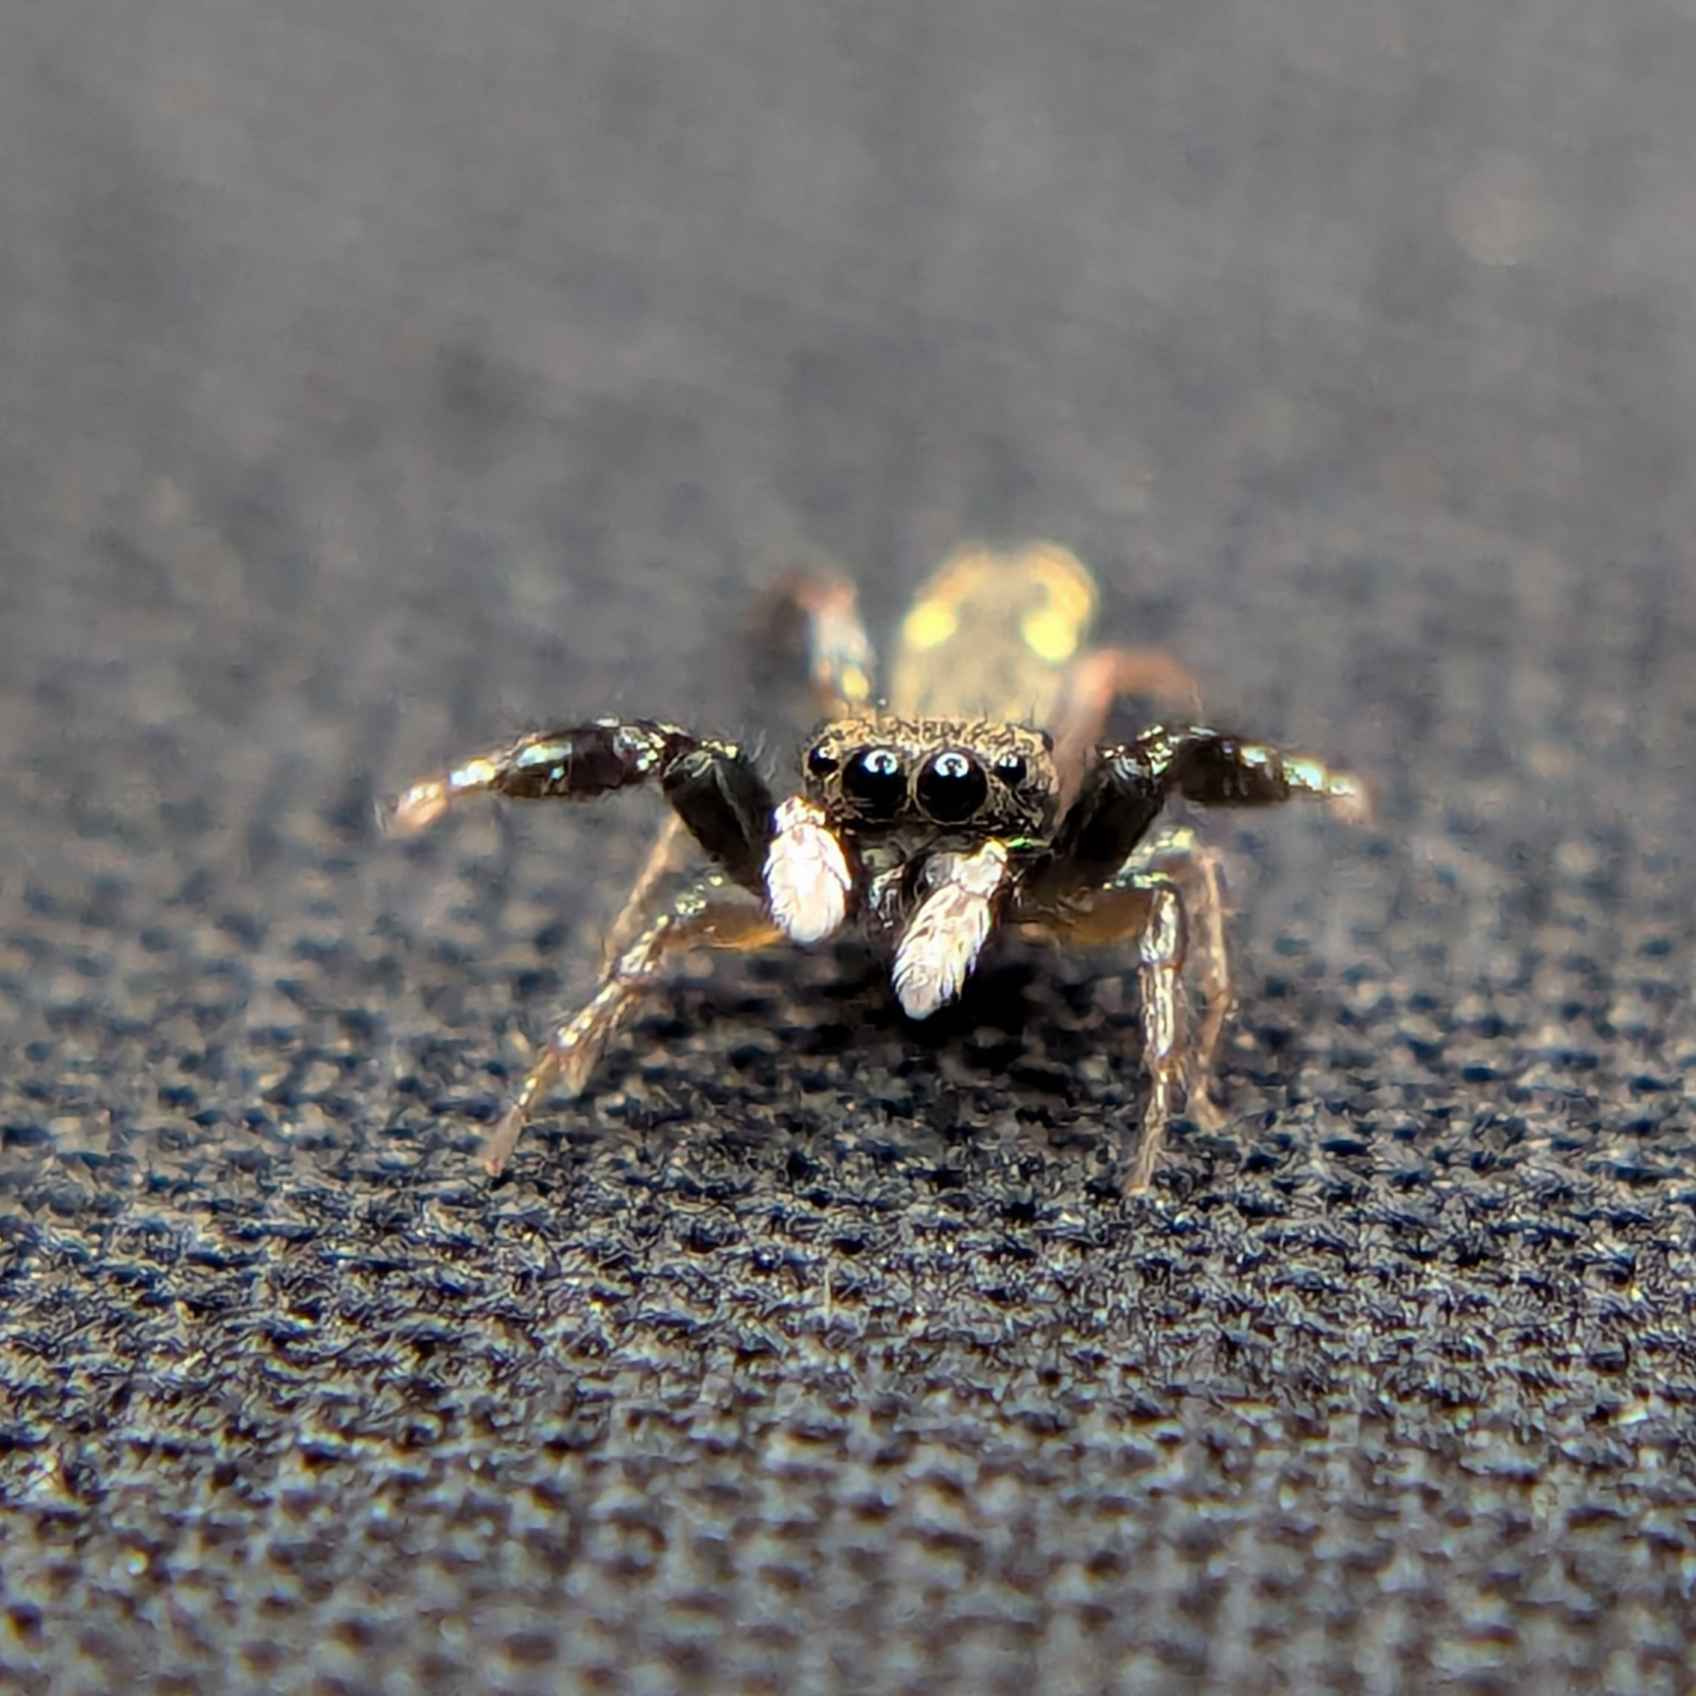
[933, 773]
[894, 812]
[979, 796]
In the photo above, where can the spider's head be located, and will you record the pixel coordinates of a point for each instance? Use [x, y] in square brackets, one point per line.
[931, 777]
[885, 797]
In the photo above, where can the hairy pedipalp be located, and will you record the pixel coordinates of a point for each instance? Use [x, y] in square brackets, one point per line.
[806, 874]
[946, 934]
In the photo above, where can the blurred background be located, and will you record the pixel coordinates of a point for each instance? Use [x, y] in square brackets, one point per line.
[380, 378]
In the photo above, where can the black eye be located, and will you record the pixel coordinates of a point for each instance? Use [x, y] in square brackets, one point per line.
[952, 787]
[1010, 768]
[874, 778]
[821, 762]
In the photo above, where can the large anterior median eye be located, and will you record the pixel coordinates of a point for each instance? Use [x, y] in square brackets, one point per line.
[875, 780]
[952, 787]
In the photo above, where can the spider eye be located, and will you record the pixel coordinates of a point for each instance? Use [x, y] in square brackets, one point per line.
[952, 787]
[875, 779]
[1010, 768]
[821, 762]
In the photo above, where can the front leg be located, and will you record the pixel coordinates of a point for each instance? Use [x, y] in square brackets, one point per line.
[1094, 682]
[841, 664]
[1130, 782]
[713, 786]
[1219, 770]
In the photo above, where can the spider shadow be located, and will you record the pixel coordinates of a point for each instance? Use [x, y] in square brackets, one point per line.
[1017, 1020]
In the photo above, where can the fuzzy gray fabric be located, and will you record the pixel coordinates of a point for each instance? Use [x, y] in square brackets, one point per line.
[380, 379]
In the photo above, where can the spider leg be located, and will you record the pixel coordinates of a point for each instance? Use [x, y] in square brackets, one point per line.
[947, 931]
[841, 661]
[1147, 905]
[1104, 882]
[709, 914]
[666, 855]
[713, 787]
[1198, 869]
[1160, 965]
[1094, 681]
[1123, 792]
[841, 664]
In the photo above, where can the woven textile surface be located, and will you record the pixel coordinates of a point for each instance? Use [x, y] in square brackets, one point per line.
[381, 380]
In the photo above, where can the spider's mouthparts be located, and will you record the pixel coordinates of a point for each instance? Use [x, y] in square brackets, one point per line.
[806, 874]
[943, 939]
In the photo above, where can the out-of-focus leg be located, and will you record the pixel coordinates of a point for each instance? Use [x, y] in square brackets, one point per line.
[841, 661]
[1097, 679]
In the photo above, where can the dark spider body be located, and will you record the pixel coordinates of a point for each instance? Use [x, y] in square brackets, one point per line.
[980, 796]
[904, 791]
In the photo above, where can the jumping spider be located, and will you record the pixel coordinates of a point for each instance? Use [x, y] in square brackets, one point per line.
[929, 819]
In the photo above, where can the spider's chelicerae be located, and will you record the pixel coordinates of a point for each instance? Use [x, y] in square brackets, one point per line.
[928, 819]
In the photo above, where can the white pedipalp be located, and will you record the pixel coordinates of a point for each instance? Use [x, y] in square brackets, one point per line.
[946, 934]
[806, 873]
